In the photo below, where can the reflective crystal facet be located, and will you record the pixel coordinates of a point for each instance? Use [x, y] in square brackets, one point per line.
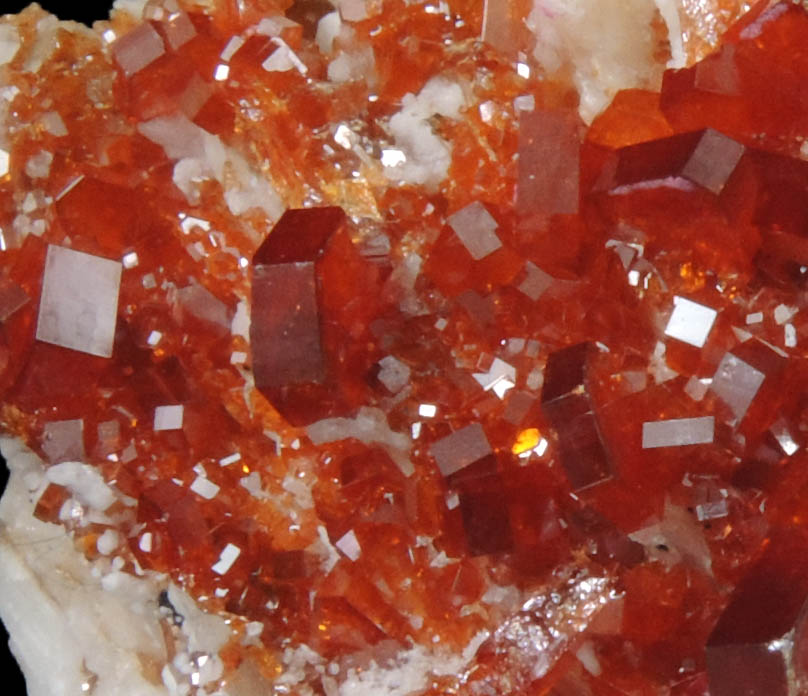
[308, 282]
[567, 403]
[79, 304]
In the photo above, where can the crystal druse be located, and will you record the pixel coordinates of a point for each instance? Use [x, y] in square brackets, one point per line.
[406, 348]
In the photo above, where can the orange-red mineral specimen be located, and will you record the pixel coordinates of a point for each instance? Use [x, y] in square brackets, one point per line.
[343, 320]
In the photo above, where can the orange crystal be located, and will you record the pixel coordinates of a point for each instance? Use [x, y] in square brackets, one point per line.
[406, 360]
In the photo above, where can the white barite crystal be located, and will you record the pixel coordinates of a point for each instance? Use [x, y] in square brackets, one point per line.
[369, 426]
[189, 223]
[349, 545]
[206, 633]
[357, 10]
[606, 45]
[754, 318]
[154, 338]
[428, 156]
[176, 134]
[782, 433]
[328, 29]
[736, 383]
[130, 260]
[427, 410]
[500, 377]
[252, 484]
[230, 459]
[84, 483]
[52, 122]
[107, 542]
[38, 166]
[201, 156]
[168, 417]
[145, 542]
[409, 672]
[179, 29]
[240, 324]
[5, 160]
[392, 157]
[475, 227]
[463, 447]
[204, 488]
[358, 64]
[783, 313]
[690, 322]
[238, 357]
[697, 388]
[394, 374]
[231, 47]
[274, 26]
[9, 43]
[789, 336]
[47, 29]
[66, 620]
[712, 511]
[588, 658]
[227, 558]
[79, 304]
[283, 58]
[678, 432]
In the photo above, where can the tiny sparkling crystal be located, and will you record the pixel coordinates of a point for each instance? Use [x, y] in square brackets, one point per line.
[398, 348]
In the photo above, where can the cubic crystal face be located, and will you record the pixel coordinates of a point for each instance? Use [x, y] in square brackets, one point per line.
[678, 432]
[476, 229]
[79, 304]
[460, 449]
[713, 160]
[736, 383]
[690, 322]
[138, 48]
[706, 158]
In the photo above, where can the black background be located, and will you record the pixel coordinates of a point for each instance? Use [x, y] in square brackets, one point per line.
[87, 11]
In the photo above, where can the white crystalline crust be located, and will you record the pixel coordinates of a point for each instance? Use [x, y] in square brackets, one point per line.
[66, 623]
[427, 156]
[606, 45]
[79, 627]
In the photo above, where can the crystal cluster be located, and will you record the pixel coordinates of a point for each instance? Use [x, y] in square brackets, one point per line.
[384, 348]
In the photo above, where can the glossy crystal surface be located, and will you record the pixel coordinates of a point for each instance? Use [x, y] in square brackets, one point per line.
[345, 321]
